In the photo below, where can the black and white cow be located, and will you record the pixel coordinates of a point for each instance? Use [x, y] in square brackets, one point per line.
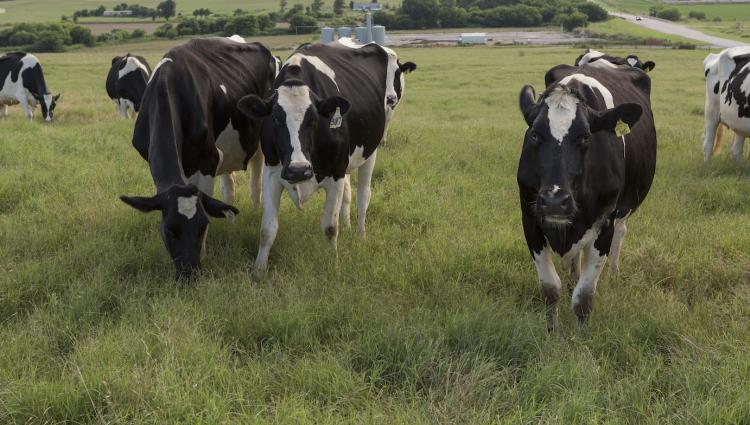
[597, 58]
[324, 121]
[127, 81]
[23, 82]
[395, 83]
[727, 99]
[579, 181]
[190, 130]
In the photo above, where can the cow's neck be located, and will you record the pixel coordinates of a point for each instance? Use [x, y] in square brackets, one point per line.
[164, 155]
[36, 84]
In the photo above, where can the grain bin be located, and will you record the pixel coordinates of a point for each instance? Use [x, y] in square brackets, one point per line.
[326, 35]
[378, 34]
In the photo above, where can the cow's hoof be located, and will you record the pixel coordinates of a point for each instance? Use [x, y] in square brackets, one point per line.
[257, 275]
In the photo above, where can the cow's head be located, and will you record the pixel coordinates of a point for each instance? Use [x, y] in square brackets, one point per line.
[48, 103]
[633, 61]
[396, 83]
[298, 118]
[184, 222]
[561, 127]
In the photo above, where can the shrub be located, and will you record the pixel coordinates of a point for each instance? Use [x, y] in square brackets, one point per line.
[138, 33]
[244, 25]
[22, 38]
[301, 20]
[49, 41]
[166, 31]
[593, 12]
[573, 20]
[81, 35]
[671, 14]
[694, 14]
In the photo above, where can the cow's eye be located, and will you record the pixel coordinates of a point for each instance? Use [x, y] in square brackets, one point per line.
[533, 136]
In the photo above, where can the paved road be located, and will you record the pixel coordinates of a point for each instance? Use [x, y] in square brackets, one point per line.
[677, 29]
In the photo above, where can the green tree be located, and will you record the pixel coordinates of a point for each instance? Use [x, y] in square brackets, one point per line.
[593, 12]
[202, 12]
[573, 20]
[303, 23]
[166, 9]
[282, 6]
[244, 25]
[338, 7]
[316, 7]
[49, 41]
[424, 13]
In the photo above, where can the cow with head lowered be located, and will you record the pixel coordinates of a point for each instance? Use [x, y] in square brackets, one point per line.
[324, 121]
[580, 176]
[395, 83]
[597, 58]
[126, 82]
[727, 100]
[23, 82]
[190, 130]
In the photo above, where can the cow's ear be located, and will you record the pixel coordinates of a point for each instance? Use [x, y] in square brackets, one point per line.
[407, 67]
[255, 107]
[327, 107]
[649, 66]
[56, 97]
[216, 208]
[115, 59]
[143, 204]
[629, 113]
[527, 103]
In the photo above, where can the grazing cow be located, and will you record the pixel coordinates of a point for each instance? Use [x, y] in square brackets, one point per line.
[127, 81]
[190, 130]
[395, 82]
[324, 121]
[579, 180]
[597, 58]
[727, 100]
[23, 82]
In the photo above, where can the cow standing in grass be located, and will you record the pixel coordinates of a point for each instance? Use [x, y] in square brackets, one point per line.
[190, 130]
[23, 82]
[580, 177]
[126, 82]
[727, 100]
[324, 121]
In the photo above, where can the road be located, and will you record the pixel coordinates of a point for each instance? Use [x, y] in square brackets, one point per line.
[677, 29]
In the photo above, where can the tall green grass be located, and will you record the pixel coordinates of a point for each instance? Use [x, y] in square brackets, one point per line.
[436, 318]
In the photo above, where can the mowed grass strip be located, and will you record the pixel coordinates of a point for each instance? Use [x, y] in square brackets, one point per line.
[436, 318]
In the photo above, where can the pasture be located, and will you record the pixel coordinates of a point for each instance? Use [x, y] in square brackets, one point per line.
[436, 318]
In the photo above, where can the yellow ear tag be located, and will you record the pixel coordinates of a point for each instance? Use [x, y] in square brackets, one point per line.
[336, 119]
[621, 129]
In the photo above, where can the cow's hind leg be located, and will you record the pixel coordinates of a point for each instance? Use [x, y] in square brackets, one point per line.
[738, 144]
[256, 182]
[330, 220]
[621, 227]
[364, 181]
[594, 258]
[549, 284]
[227, 182]
[346, 202]
[272, 189]
[4, 111]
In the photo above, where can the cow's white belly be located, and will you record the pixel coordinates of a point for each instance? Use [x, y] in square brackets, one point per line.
[730, 117]
[233, 156]
[12, 93]
[356, 159]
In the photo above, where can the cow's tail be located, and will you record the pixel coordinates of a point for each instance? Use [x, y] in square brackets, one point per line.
[717, 140]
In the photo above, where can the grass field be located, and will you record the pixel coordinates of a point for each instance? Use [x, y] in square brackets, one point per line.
[436, 318]
[620, 28]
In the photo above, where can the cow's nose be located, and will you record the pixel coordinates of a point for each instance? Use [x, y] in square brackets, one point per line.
[297, 171]
[555, 203]
[391, 100]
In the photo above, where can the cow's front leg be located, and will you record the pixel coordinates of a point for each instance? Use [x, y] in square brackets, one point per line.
[4, 111]
[574, 266]
[346, 202]
[364, 180]
[621, 227]
[549, 284]
[28, 109]
[738, 144]
[226, 182]
[272, 189]
[594, 258]
[330, 221]
[256, 183]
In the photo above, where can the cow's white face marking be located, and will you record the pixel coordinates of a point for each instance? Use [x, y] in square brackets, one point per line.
[562, 108]
[277, 61]
[390, 89]
[632, 61]
[48, 104]
[555, 189]
[132, 64]
[296, 60]
[223, 88]
[187, 206]
[295, 101]
[591, 54]
[161, 62]
[593, 83]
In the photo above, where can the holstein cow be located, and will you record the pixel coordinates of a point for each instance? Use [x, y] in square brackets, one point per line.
[579, 180]
[189, 130]
[727, 100]
[127, 81]
[324, 121]
[395, 82]
[23, 82]
[595, 58]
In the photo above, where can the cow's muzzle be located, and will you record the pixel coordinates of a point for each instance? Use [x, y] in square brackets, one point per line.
[297, 172]
[555, 206]
[391, 101]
